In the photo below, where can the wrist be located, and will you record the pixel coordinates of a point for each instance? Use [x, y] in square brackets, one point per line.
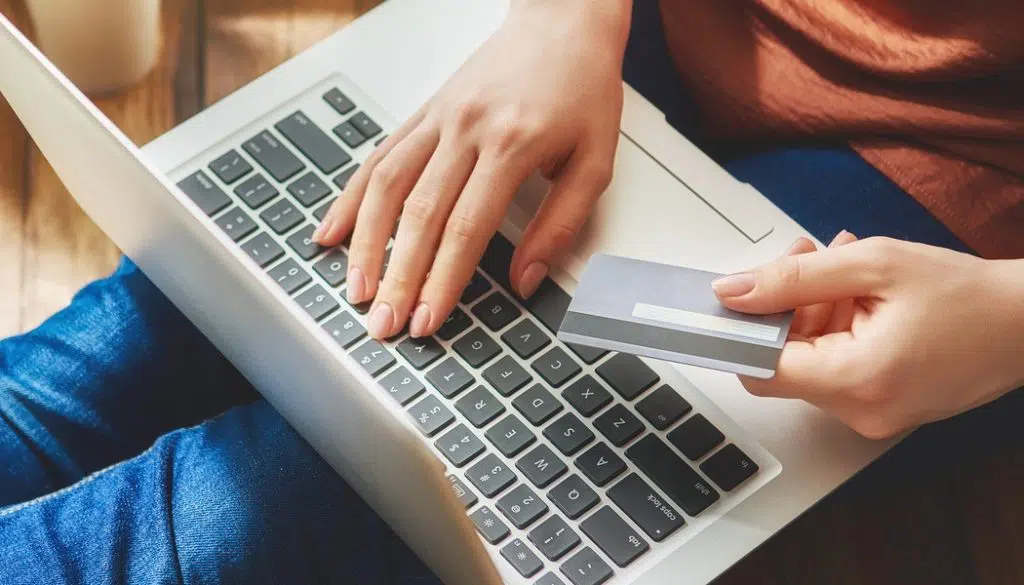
[609, 19]
[1007, 277]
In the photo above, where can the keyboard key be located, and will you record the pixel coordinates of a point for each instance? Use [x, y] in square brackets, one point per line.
[663, 407]
[480, 407]
[490, 475]
[549, 579]
[321, 212]
[263, 249]
[507, 376]
[204, 193]
[341, 179]
[589, 355]
[612, 535]
[496, 311]
[333, 267]
[645, 507]
[541, 466]
[365, 125]
[450, 378]
[339, 101]
[497, 260]
[600, 464]
[587, 396]
[282, 216]
[309, 189]
[553, 538]
[618, 425]
[256, 191]
[672, 475]
[522, 558]
[317, 302]
[303, 244]
[729, 467]
[569, 434]
[478, 285]
[627, 375]
[345, 329]
[476, 347]
[431, 416]
[521, 506]
[537, 405]
[421, 352]
[510, 435]
[459, 445]
[313, 142]
[525, 338]
[489, 525]
[586, 568]
[549, 304]
[274, 157]
[402, 386]
[696, 437]
[349, 135]
[230, 167]
[236, 224]
[556, 367]
[373, 357]
[454, 324]
[466, 497]
[290, 276]
[574, 497]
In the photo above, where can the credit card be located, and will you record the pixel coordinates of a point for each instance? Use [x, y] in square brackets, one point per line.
[670, 313]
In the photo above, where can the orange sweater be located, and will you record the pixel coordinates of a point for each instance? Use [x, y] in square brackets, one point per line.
[930, 92]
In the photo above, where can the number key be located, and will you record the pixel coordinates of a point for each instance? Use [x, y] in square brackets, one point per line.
[317, 302]
[289, 276]
[333, 267]
[459, 445]
[431, 416]
[402, 386]
[373, 357]
[521, 506]
[490, 475]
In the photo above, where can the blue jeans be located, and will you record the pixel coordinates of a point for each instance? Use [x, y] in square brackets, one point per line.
[134, 453]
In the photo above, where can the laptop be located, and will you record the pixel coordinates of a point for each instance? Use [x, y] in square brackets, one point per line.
[498, 453]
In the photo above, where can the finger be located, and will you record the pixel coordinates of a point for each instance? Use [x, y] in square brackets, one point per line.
[815, 371]
[801, 246]
[816, 317]
[841, 318]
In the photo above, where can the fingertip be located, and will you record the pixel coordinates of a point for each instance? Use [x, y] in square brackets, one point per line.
[531, 279]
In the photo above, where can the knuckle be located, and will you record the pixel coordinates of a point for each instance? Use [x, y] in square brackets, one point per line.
[419, 209]
[386, 175]
[465, 113]
[463, 229]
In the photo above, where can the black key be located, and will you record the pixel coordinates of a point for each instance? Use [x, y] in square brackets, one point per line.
[273, 156]
[618, 425]
[349, 135]
[549, 304]
[256, 191]
[541, 466]
[496, 311]
[729, 467]
[586, 568]
[510, 435]
[476, 347]
[489, 525]
[537, 405]
[402, 386]
[645, 507]
[553, 538]
[339, 101]
[365, 125]
[236, 224]
[587, 396]
[362, 308]
[466, 497]
[522, 506]
[230, 167]
[507, 376]
[574, 497]
[263, 249]
[421, 352]
[627, 375]
[450, 378]
[431, 416]
[373, 357]
[589, 355]
[612, 535]
[456, 323]
[282, 216]
[549, 579]
[312, 142]
[600, 464]
[696, 437]
[525, 338]
[321, 212]
[387, 260]
[459, 445]
[480, 407]
[490, 475]
[663, 407]
[497, 260]
[476, 288]
[672, 475]
[317, 302]
[204, 193]
[309, 189]
[290, 276]
[345, 329]
[556, 367]
[342, 178]
[303, 244]
[569, 434]
[333, 267]
[522, 558]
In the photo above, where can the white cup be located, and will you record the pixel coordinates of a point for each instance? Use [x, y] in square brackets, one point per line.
[101, 45]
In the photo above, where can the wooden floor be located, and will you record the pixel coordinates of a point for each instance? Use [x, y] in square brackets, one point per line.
[946, 507]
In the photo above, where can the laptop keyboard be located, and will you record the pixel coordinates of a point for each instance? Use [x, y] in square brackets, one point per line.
[536, 435]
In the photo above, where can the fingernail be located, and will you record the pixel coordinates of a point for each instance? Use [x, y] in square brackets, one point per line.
[420, 320]
[322, 229]
[382, 319]
[356, 285]
[734, 285]
[531, 279]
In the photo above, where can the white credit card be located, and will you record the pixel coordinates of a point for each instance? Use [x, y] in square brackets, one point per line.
[670, 313]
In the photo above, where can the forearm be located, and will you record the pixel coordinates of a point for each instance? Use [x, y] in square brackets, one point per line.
[612, 18]
[1008, 276]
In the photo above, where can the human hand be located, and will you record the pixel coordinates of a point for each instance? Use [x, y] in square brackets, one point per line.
[888, 335]
[544, 93]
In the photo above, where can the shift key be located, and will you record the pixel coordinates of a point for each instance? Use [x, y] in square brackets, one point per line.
[673, 475]
[273, 156]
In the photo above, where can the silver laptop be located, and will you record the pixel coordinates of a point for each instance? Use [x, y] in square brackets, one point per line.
[498, 453]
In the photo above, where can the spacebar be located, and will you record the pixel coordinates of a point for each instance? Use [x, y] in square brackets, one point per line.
[673, 475]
